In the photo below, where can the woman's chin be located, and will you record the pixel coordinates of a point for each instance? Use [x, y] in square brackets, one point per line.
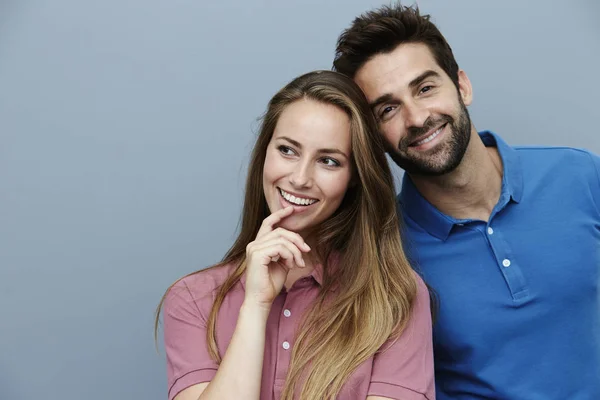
[291, 225]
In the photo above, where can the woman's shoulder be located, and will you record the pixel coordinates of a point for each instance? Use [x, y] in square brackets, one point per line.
[423, 297]
[201, 286]
[207, 279]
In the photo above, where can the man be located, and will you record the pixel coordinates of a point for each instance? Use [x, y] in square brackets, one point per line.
[507, 237]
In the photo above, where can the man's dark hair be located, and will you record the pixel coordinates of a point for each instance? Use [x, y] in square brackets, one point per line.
[382, 30]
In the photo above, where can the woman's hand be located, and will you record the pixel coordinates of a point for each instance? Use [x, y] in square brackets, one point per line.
[270, 257]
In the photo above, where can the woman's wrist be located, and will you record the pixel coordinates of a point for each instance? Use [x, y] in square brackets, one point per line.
[255, 309]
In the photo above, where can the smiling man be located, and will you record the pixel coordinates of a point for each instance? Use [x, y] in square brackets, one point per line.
[508, 237]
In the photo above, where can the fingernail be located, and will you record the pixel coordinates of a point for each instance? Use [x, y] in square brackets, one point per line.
[306, 246]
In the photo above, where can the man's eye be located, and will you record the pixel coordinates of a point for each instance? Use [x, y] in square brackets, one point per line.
[426, 89]
[386, 110]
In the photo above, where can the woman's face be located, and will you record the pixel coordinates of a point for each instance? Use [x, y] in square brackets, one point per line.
[308, 163]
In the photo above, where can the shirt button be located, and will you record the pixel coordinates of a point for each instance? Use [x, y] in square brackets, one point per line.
[287, 313]
[506, 262]
[286, 345]
[490, 231]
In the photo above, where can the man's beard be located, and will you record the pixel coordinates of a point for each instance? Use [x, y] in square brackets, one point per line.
[452, 151]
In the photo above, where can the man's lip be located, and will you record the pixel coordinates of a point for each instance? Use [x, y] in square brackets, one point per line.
[429, 133]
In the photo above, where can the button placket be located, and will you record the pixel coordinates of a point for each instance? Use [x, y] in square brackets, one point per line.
[286, 327]
[281, 341]
[287, 314]
[502, 252]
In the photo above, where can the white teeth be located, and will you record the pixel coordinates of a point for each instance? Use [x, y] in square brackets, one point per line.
[296, 200]
[429, 138]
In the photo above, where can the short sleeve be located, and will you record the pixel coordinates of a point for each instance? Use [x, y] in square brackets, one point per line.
[188, 360]
[403, 370]
[596, 179]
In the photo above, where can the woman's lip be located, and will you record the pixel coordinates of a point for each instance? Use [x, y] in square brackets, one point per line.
[297, 195]
[297, 209]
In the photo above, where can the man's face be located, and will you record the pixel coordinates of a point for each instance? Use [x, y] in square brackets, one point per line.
[421, 114]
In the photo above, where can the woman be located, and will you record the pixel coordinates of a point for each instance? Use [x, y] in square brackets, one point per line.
[315, 299]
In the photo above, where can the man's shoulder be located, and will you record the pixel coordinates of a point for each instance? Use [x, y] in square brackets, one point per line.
[553, 151]
[541, 152]
[559, 158]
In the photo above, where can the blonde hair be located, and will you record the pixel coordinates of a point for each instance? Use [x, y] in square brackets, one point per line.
[376, 285]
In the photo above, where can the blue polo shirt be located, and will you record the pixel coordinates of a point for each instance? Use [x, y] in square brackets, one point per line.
[519, 314]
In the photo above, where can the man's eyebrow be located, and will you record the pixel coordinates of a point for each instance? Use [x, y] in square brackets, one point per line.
[414, 83]
[419, 79]
[380, 100]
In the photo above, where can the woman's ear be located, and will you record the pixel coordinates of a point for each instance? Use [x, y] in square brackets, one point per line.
[354, 180]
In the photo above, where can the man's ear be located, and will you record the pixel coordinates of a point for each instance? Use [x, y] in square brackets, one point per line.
[464, 88]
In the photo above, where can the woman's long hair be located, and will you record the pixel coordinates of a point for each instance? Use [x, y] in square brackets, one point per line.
[374, 284]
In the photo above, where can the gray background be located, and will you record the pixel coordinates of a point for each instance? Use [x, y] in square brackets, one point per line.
[125, 128]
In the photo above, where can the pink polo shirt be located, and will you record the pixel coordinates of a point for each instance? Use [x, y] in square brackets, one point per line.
[404, 371]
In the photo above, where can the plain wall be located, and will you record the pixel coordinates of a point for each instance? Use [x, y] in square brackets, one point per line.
[125, 128]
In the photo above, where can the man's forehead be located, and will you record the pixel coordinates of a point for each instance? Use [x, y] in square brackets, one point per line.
[395, 69]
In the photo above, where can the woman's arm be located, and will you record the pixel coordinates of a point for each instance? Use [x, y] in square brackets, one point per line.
[240, 372]
[269, 258]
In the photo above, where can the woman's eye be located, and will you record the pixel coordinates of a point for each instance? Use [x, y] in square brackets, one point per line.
[285, 150]
[330, 162]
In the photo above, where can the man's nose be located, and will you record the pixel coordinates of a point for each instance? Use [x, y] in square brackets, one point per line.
[415, 115]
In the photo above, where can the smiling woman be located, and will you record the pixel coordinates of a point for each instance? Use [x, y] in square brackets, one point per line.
[315, 299]
[308, 164]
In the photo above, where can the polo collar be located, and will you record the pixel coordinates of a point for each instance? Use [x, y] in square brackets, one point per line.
[439, 224]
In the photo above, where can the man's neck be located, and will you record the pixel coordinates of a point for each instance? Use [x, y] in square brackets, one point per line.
[472, 190]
